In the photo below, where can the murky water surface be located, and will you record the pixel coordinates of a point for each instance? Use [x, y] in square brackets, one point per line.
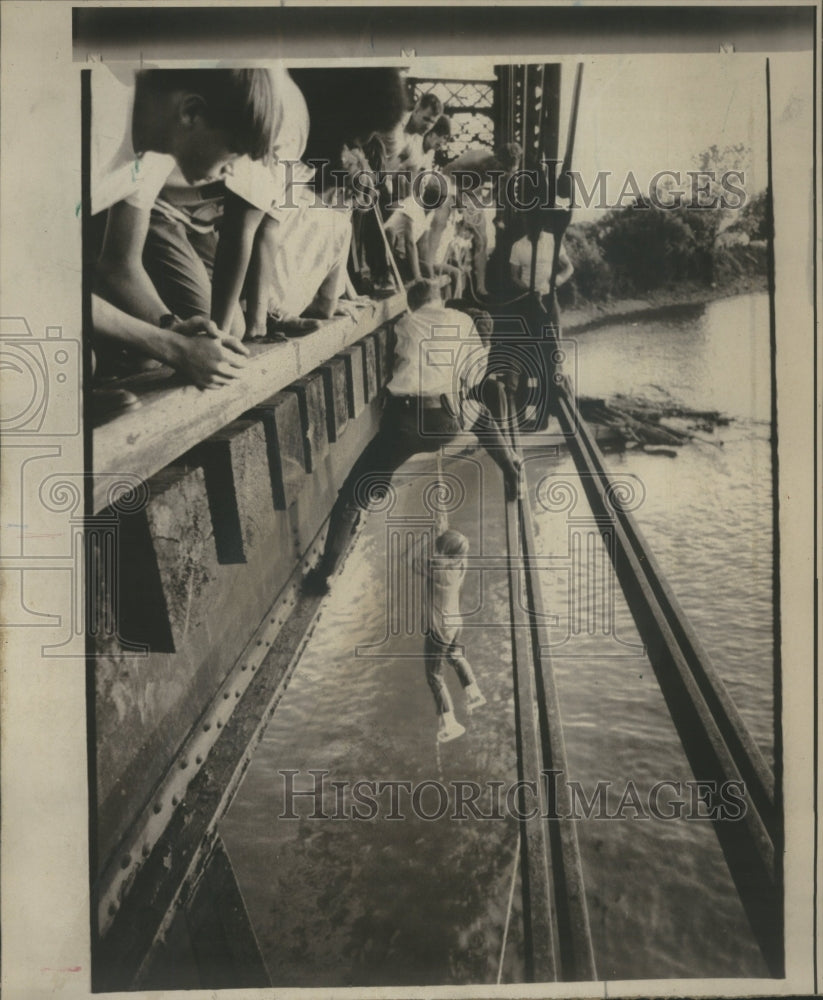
[350, 901]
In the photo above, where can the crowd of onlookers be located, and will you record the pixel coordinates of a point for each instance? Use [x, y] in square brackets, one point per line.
[225, 208]
[229, 206]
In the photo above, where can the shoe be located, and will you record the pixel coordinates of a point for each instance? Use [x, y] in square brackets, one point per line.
[449, 728]
[315, 584]
[474, 698]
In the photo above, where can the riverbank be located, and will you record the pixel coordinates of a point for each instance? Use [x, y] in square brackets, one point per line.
[685, 297]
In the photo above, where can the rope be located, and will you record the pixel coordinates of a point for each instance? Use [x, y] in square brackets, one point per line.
[441, 524]
[508, 911]
[389, 254]
[489, 302]
[441, 518]
[438, 760]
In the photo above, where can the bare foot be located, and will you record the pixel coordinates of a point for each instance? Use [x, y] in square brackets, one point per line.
[265, 337]
[291, 326]
[352, 307]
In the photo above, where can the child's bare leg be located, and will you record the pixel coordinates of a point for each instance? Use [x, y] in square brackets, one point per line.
[257, 285]
[479, 261]
[465, 674]
[448, 728]
[462, 668]
[259, 324]
[433, 655]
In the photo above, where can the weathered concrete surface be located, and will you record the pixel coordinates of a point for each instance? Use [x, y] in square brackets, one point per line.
[286, 447]
[384, 342]
[369, 368]
[143, 704]
[336, 387]
[311, 397]
[354, 362]
[203, 563]
[173, 418]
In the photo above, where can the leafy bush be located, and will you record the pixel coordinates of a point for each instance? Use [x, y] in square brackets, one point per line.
[593, 278]
[639, 248]
[649, 247]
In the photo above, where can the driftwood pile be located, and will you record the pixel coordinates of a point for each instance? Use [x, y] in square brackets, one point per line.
[657, 426]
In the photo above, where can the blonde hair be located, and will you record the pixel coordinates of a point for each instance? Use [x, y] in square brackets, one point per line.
[451, 543]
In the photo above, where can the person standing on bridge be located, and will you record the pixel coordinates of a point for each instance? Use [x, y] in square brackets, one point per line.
[538, 241]
[421, 414]
[410, 132]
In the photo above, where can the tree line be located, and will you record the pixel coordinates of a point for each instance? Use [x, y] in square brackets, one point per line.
[641, 248]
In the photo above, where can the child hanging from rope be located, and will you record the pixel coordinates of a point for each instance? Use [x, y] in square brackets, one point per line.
[443, 574]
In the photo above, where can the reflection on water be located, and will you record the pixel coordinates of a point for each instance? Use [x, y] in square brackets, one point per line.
[416, 901]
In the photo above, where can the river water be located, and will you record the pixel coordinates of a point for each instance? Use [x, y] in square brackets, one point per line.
[412, 900]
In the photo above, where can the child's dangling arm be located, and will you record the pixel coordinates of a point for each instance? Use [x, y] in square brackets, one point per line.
[418, 554]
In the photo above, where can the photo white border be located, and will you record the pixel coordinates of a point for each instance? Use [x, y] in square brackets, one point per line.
[44, 887]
